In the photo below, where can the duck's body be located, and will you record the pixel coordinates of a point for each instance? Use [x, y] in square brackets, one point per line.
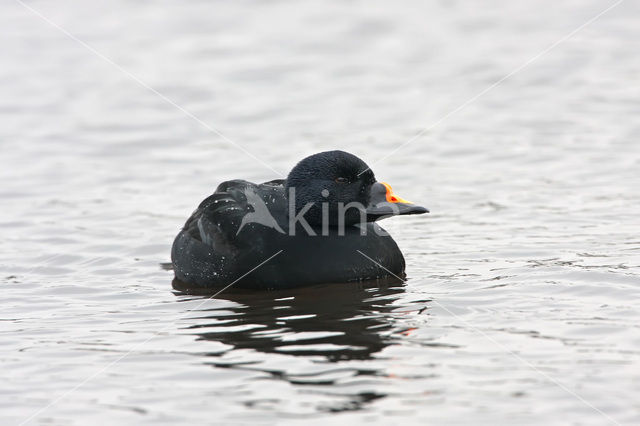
[248, 234]
[210, 252]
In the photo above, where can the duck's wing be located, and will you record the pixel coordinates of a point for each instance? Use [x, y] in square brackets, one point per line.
[217, 219]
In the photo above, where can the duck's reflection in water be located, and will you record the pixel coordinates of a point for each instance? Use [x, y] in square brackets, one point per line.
[337, 321]
[324, 327]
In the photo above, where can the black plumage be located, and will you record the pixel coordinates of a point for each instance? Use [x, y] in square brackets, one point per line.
[242, 224]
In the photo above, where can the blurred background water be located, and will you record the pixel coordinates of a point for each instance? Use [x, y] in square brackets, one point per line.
[522, 300]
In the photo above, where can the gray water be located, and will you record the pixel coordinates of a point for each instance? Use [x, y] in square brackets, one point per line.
[522, 300]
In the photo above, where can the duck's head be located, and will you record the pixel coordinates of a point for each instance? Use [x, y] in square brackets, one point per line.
[337, 184]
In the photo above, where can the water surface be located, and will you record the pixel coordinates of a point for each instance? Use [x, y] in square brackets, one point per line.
[522, 301]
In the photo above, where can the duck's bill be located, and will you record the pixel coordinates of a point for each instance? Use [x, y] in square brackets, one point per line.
[384, 203]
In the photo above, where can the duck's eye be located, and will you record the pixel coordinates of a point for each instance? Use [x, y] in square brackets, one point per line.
[342, 180]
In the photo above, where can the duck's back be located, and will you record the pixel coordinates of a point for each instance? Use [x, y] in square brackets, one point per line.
[243, 224]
